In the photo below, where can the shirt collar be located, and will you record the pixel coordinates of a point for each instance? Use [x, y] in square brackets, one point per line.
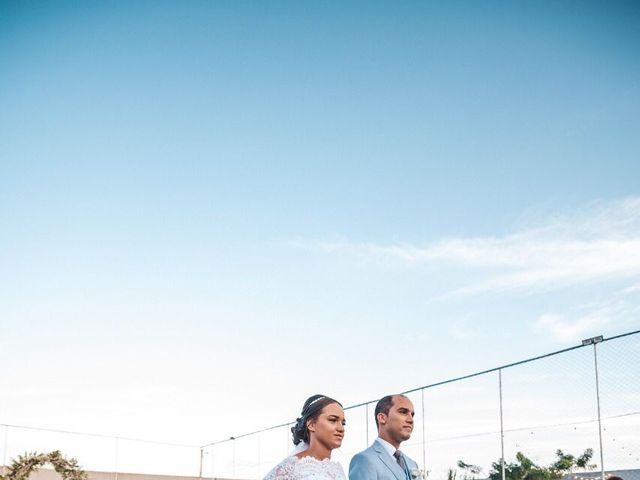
[390, 449]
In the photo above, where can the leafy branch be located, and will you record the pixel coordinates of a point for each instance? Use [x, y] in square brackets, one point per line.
[22, 467]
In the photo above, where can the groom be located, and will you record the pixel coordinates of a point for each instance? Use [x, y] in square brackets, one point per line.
[382, 460]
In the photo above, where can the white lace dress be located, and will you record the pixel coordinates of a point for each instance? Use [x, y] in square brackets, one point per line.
[306, 468]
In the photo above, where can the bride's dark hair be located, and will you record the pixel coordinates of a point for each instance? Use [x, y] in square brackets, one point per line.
[310, 411]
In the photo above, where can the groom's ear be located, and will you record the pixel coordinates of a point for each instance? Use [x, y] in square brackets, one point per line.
[382, 418]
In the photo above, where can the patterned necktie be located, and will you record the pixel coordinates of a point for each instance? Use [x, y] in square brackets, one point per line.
[401, 461]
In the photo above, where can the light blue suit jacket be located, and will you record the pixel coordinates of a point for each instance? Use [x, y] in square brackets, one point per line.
[376, 463]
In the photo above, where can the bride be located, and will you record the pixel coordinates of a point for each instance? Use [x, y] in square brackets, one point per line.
[318, 430]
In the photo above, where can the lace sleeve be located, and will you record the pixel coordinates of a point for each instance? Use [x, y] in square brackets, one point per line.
[282, 471]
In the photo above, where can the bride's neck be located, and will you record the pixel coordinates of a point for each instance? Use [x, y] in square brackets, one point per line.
[319, 452]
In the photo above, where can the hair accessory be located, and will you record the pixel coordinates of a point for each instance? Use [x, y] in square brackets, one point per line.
[314, 401]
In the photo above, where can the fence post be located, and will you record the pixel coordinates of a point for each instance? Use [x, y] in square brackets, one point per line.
[502, 470]
[595, 360]
[424, 437]
[115, 469]
[213, 462]
[286, 441]
[233, 467]
[259, 455]
[366, 425]
[6, 446]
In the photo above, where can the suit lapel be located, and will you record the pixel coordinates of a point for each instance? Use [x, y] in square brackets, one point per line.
[389, 462]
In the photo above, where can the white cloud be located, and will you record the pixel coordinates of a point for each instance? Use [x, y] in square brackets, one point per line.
[594, 322]
[567, 331]
[599, 242]
[632, 289]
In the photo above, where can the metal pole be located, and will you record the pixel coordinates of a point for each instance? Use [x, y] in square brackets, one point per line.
[501, 427]
[424, 437]
[116, 462]
[595, 359]
[6, 447]
[259, 458]
[200, 471]
[213, 463]
[366, 425]
[233, 470]
[286, 443]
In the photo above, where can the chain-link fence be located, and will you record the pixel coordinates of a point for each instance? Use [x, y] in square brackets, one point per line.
[583, 397]
[103, 453]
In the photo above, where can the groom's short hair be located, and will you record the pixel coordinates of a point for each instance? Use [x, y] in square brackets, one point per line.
[384, 405]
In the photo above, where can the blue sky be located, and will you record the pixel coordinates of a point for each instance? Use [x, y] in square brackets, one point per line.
[227, 206]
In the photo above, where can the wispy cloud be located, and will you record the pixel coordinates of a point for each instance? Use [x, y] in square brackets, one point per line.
[590, 319]
[598, 242]
[632, 289]
[565, 330]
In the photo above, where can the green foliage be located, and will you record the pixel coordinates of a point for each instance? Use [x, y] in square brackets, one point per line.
[567, 463]
[470, 470]
[26, 464]
[525, 469]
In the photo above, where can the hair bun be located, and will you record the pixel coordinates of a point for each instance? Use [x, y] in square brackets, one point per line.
[299, 430]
